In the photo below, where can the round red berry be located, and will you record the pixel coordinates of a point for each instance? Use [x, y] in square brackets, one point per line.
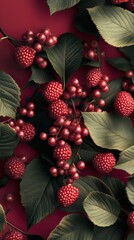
[62, 153]
[25, 56]
[104, 162]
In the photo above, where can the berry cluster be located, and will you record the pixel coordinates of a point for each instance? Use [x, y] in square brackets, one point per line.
[33, 46]
[127, 84]
[28, 110]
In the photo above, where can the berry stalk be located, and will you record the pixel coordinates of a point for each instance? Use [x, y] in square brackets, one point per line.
[8, 38]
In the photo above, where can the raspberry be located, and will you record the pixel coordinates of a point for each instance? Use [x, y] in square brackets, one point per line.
[130, 220]
[104, 162]
[29, 131]
[62, 153]
[52, 91]
[124, 103]
[14, 235]
[119, 1]
[57, 109]
[67, 195]
[93, 77]
[25, 56]
[130, 5]
[14, 167]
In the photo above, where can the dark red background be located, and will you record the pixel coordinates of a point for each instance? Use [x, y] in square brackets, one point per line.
[15, 18]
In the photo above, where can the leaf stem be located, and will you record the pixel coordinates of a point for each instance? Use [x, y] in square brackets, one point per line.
[12, 226]
[7, 37]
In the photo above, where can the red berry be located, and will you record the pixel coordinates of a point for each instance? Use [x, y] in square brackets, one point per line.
[66, 95]
[62, 153]
[12, 123]
[69, 181]
[25, 56]
[78, 141]
[52, 91]
[47, 32]
[94, 44]
[102, 84]
[37, 47]
[66, 166]
[129, 73]
[75, 176]
[93, 77]
[9, 197]
[75, 82]
[96, 93]
[125, 85]
[14, 167]
[20, 134]
[72, 170]
[130, 220]
[61, 171]
[20, 122]
[57, 109]
[81, 165]
[91, 54]
[101, 102]
[29, 131]
[43, 136]
[105, 78]
[65, 133]
[130, 5]
[50, 41]
[52, 141]
[67, 195]
[31, 106]
[98, 110]
[105, 89]
[53, 171]
[131, 88]
[104, 162]
[59, 121]
[30, 113]
[60, 163]
[23, 111]
[119, 1]
[41, 38]
[13, 235]
[43, 64]
[124, 103]
[29, 32]
[84, 132]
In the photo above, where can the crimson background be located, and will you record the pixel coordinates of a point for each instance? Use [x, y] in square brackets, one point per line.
[15, 18]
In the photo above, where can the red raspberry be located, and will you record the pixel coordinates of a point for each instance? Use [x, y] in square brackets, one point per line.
[130, 220]
[124, 103]
[14, 167]
[62, 153]
[67, 195]
[25, 56]
[93, 77]
[29, 131]
[52, 91]
[104, 162]
[57, 109]
[130, 5]
[14, 235]
[119, 1]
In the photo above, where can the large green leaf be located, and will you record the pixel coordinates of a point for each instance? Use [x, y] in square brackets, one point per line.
[40, 76]
[129, 53]
[110, 22]
[57, 5]
[120, 63]
[86, 185]
[8, 140]
[126, 160]
[130, 190]
[9, 95]
[109, 130]
[2, 218]
[73, 227]
[37, 191]
[102, 209]
[66, 55]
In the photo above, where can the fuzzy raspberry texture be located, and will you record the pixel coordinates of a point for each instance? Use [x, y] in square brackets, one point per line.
[52, 91]
[124, 103]
[130, 5]
[67, 195]
[57, 109]
[119, 1]
[93, 77]
[104, 162]
[130, 220]
[25, 56]
[14, 235]
[14, 167]
[29, 131]
[62, 153]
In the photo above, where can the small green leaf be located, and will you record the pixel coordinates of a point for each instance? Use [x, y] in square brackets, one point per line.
[71, 227]
[88, 62]
[57, 5]
[66, 55]
[128, 52]
[2, 218]
[8, 140]
[131, 236]
[109, 20]
[109, 130]
[120, 63]
[126, 160]
[130, 190]
[9, 95]
[102, 209]
[37, 190]
[40, 76]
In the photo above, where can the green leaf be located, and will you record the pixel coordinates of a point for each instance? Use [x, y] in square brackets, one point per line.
[37, 191]
[8, 140]
[130, 190]
[109, 130]
[120, 63]
[57, 5]
[9, 95]
[128, 52]
[66, 55]
[2, 218]
[131, 236]
[73, 227]
[40, 76]
[114, 232]
[126, 160]
[86, 185]
[109, 21]
[102, 209]
[90, 3]
[88, 62]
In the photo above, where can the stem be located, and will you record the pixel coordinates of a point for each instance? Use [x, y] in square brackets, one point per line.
[3, 38]
[8, 38]
[12, 226]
